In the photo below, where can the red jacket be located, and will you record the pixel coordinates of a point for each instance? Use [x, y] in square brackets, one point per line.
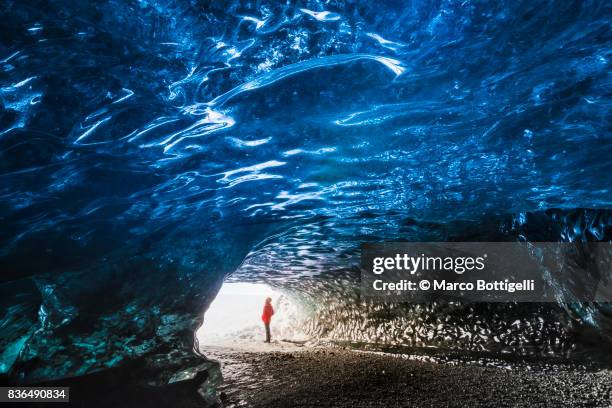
[268, 311]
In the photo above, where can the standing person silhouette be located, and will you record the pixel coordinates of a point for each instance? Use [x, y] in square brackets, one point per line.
[266, 317]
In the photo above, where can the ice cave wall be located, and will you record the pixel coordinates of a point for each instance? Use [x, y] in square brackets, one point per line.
[336, 310]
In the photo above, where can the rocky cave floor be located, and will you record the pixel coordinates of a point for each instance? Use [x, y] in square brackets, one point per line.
[281, 375]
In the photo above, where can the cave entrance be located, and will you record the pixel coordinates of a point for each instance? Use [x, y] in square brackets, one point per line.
[234, 317]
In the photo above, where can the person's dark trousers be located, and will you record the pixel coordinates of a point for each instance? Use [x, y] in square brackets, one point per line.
[267, 332]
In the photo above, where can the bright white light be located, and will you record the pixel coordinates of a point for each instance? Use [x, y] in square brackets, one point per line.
[234, 317]
[245, 289]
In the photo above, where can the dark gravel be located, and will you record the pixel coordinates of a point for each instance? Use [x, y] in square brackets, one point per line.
[342, 378]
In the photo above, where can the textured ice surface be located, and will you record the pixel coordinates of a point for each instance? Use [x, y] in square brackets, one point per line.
[147, 148]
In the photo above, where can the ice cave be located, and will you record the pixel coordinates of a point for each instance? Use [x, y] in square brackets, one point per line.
[167, 165]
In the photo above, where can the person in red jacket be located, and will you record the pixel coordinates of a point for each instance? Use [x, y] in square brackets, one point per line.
[266, 317]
